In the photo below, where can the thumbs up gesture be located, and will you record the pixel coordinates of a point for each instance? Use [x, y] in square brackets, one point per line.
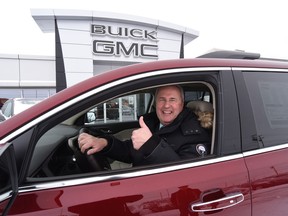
[141, 135]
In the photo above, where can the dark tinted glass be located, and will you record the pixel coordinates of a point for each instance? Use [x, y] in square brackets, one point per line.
[268, 92]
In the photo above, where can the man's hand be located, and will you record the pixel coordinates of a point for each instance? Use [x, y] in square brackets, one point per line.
[91, 144]
[141, 135]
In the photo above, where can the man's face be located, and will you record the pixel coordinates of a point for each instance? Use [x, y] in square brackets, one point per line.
[169, 104]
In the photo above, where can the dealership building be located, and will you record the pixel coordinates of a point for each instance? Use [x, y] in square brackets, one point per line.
[88, 43]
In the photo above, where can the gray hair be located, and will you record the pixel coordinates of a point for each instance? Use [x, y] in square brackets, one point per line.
[177, 86]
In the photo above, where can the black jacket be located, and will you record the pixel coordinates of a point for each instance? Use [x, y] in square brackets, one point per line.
[182, 139]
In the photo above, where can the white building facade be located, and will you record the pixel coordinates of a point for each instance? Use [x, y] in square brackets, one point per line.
[24, 76]
[88, 43]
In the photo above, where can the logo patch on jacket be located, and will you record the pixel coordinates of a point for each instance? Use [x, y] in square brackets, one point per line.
[201, 149]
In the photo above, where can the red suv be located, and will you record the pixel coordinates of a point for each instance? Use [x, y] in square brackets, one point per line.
[42, 171]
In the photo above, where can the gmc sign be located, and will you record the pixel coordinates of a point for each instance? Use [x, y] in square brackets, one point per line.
[118, 48]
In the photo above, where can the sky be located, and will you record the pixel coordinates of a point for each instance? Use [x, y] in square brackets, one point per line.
[258, 26]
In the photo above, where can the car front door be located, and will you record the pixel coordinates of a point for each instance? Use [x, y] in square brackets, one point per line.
[219, 186]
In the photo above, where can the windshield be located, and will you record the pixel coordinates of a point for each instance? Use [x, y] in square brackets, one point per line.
[23, 104]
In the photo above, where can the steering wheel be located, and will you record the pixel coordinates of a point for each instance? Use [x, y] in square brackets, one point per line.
[88, 163]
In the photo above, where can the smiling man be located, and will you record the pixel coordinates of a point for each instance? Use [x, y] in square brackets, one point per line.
[169, 103]
[169, 134]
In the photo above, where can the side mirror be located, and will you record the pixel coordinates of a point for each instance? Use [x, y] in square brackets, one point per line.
[8, 177]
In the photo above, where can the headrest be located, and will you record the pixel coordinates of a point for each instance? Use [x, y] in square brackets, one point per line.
[202, 106]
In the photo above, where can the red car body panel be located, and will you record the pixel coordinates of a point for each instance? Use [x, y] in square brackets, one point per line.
[145, 195]
[269, 179]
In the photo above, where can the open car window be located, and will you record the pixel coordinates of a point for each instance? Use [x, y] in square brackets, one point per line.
[55, 153]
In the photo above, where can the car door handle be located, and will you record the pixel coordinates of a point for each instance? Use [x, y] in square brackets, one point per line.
[228, 201]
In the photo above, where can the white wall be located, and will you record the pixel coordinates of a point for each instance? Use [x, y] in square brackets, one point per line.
[27, 71]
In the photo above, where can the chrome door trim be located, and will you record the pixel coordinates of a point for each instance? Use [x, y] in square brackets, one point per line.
[129, 174]
[265, 150]
[244, 69]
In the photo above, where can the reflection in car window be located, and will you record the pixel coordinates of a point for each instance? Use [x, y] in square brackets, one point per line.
[7, 109]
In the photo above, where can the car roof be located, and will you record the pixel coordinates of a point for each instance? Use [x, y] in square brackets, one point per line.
[98, 80]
